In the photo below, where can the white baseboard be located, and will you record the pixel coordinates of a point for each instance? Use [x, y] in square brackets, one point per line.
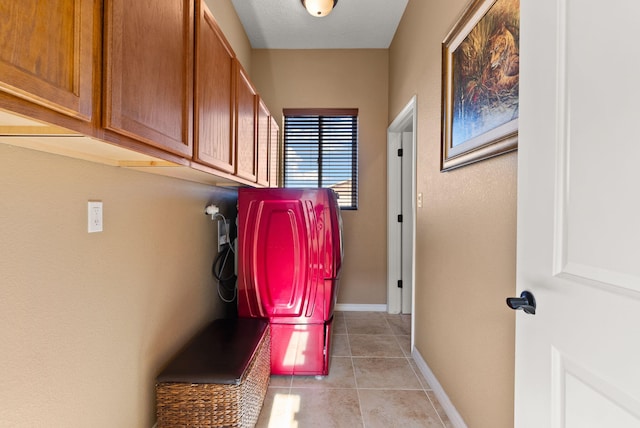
[346, 307]
[447, 405]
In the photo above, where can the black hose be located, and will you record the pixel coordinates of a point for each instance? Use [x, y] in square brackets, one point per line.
[218, 267]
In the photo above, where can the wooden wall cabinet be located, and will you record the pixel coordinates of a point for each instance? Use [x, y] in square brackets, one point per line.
[262, 144]
[148, 72]
[274, 147]
[246, 104]
[47, 53]
[157, 78]
[214, 94]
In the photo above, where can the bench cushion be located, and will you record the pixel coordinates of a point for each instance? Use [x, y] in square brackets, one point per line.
[219, 354]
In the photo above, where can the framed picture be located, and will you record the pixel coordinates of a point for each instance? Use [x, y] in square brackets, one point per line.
[480, 82]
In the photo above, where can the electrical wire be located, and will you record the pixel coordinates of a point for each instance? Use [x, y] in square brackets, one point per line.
[225, 300]
[219, 263]
[223, 256]
[226, 284]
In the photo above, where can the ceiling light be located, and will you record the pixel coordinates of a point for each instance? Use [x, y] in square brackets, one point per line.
[319, 8]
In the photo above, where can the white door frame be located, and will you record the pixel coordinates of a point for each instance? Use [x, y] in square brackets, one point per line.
[405, 121]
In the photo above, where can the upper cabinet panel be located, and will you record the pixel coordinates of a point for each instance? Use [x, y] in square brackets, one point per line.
[262, 142]
[245, 126]
[214, 137]
[46, 53]
[148, 82]
[274, 144]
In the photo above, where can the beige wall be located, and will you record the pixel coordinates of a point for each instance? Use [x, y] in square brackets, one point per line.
[466, 236]
[88, 320]
[343, 78]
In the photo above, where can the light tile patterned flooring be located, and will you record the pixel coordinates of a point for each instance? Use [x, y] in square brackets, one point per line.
[373, 382]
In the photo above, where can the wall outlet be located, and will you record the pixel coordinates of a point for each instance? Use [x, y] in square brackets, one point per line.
[94, 216]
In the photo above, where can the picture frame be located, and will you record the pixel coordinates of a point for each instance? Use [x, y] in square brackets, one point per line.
[480, 84]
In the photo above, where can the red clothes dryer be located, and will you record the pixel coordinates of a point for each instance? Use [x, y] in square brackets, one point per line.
[289, 260]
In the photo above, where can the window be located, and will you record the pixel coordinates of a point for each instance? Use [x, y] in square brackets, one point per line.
[321, 150]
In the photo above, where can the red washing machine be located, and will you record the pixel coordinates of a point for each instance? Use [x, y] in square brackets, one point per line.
[289, 259]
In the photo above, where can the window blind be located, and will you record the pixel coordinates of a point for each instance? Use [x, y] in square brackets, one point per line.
[321, 150]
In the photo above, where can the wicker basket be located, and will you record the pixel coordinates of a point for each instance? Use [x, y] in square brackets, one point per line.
[217, 405]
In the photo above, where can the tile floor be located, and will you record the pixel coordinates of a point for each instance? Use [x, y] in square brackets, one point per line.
[373, 382]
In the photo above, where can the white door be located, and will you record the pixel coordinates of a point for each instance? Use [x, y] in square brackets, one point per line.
[578, 357]
[401, 172]
[408, 196]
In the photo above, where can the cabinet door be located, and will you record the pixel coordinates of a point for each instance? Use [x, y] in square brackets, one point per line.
[148, 88]
[274, 144]
[245, 127]
[262, 142]
[214, 143]
[46, 53]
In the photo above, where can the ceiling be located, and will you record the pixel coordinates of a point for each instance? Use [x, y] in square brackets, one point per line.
[353, 24]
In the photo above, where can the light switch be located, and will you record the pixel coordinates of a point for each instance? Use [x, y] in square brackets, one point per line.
[95, 216]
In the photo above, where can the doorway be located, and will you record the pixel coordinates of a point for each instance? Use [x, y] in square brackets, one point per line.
[401, 178]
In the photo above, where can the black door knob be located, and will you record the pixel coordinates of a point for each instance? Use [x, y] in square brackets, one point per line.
[526, 302]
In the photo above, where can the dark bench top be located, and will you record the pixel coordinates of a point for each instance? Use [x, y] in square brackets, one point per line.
[218, 354]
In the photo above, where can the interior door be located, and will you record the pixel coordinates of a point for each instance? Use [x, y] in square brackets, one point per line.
[407, 196]
[401, 172]
[578, 357]
[394, 229]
